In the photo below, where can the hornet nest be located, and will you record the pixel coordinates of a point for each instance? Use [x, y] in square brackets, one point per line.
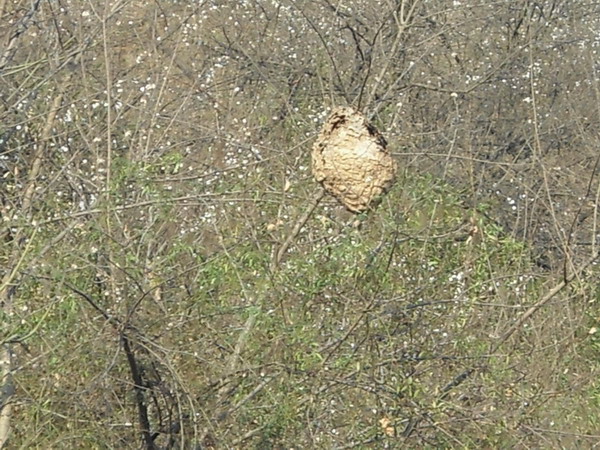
[350, 159]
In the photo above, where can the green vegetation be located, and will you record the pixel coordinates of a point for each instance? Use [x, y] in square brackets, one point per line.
[154, 162]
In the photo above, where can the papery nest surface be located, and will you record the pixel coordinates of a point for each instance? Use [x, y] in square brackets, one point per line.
[351, 160]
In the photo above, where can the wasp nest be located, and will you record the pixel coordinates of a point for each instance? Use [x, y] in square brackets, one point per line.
[350, 159]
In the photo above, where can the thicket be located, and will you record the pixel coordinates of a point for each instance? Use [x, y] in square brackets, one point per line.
[170, 279]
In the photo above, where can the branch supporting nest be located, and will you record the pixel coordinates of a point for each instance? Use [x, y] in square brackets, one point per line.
[279, 253]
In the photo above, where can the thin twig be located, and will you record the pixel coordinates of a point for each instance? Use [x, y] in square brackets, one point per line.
[17, 258]
[185, 198]
[545, 299]
[278, 256]
[21, 28]
[7, 390]
[402, 21]
[456, 381]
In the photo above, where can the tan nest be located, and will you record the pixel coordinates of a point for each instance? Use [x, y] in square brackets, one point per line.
[350, 159]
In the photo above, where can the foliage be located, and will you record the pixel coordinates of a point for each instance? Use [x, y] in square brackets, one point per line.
[155, 163]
